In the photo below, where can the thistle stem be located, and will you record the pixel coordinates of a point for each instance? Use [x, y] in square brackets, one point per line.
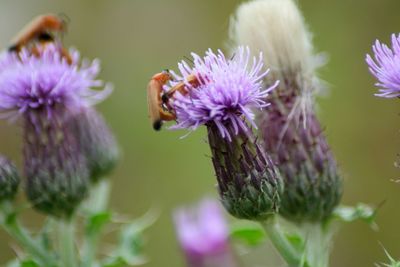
[66, 234]
[12, 226]
[318, 244]
[97, 202]
[281, 243]
[99, 196]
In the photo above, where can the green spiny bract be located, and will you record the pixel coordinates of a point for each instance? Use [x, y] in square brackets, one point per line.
[9, 179]
[248, 183]
[56, 171]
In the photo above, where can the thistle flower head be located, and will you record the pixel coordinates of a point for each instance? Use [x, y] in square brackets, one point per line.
[9, 179]
[385, 66]
[290, 130]
[29, 82]
[46, 90]
[278, 30]
[226, 91]
[222, 98]
[258, 25]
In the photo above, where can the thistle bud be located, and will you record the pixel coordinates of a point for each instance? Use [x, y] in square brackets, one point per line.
[46, 89]
[9, 179]
[55, 168]
[96, 142]
[222, 99]
[248, 183]
[291, 132]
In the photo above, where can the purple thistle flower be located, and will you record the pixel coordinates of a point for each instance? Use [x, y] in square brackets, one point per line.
[222, 99]
[31, 83]
[203, 234]
[385, 66]
[47, 92]
[227, 91]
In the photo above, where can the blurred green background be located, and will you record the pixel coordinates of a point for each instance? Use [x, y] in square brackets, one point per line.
[136, 38]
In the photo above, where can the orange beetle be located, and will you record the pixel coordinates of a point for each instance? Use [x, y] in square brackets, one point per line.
[41, 26]
[40, 30]
[158, 102]
[157, 112]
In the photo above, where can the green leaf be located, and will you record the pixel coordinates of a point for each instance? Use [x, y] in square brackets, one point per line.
[296, 240]
[23, 263]
[29, 263]
[248, 233]
[359, 212]
[131, 243]
[393, 262]
[96, 221]
[114, 262]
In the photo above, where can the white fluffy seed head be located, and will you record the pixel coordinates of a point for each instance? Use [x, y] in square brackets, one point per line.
[277, 29]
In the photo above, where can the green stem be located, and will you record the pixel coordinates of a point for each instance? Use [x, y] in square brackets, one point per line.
[99, 195]
[97, 202]
[66, 234]
[279, 240]
[318, 244]
[18, 232]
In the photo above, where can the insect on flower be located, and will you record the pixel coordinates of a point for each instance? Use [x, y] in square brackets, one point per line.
[158, 101]
[40, 31]
[40, 28]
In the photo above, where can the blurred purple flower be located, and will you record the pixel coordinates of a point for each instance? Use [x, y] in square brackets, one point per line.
[386, 67]
[203, 234]
[49, 93]
[30, 83]
[227, 90]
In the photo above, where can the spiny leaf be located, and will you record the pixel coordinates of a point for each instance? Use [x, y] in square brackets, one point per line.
[96, 221]
[359, 212]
